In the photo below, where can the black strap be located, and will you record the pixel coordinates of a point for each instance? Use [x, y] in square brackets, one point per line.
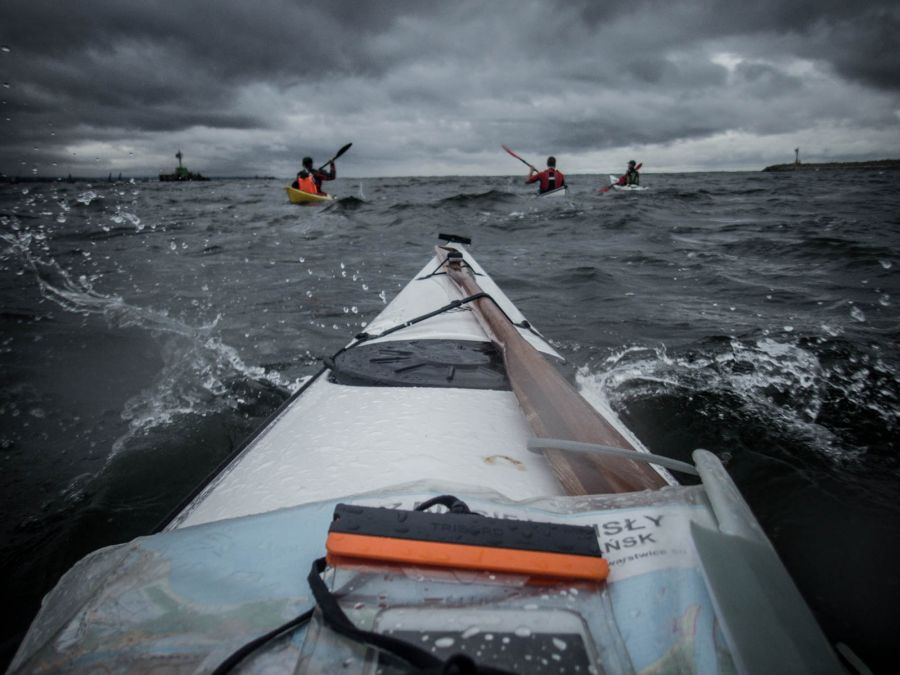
[423, 661]
[437, 270]
[453, 504]
[236, 657]
[335, 618]
[339, 622]
[365, 337]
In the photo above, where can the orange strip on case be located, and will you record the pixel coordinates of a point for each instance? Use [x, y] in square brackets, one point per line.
[460, 556]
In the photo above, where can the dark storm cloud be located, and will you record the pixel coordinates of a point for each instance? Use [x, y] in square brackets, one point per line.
[230, 40]
[858, 39]
[863, 48]
[425, 87]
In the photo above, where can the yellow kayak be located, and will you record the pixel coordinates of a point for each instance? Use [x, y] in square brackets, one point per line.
[301, 197]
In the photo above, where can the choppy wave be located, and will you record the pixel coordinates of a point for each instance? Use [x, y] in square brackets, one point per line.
[350, 203]
[797, 387]
[200, 375]
[491, 198]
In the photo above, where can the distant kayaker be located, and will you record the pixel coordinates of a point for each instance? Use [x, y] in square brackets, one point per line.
[550, 178]
[632, 176]
[305, 182]
[319, 176]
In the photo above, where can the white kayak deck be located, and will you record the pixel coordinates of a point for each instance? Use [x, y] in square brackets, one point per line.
[337, 440]
[342, 440]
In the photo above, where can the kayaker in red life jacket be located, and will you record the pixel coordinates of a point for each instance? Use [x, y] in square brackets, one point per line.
[319, 176]
[550, 178]
[304, 181]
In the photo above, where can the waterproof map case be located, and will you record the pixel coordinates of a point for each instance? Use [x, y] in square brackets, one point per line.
[693, 587]
[512, 595]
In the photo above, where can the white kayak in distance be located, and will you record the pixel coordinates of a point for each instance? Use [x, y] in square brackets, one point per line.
[614, 183]
[441, 496]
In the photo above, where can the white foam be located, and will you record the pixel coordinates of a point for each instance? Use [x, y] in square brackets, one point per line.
[780, 382]
[197, 366]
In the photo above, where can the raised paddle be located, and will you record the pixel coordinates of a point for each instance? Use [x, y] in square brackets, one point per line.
[618, 182]
[530, 166]
[339, 153]
[551, 406]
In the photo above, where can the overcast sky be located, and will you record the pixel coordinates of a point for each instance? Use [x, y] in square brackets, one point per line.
[430, 88]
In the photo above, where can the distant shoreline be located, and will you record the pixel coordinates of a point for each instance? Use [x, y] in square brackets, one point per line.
[871, 165]
[124, 179]
[880, 165]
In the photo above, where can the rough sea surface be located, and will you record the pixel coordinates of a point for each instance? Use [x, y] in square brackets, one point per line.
[147, 328]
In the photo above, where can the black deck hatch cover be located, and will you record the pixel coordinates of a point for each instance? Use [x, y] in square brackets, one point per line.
[461, 364]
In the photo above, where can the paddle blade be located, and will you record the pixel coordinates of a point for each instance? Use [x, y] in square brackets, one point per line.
[619, 181]
[517, 157]
[341, 151]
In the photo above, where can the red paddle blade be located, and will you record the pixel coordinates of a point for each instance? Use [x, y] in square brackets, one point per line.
[517, 157]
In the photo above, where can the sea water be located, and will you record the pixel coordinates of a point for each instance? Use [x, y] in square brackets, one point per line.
[148, 328]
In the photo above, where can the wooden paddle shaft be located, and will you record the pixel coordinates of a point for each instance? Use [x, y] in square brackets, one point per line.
[553, 408]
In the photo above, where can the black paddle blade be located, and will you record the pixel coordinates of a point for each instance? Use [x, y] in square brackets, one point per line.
[341, 151]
